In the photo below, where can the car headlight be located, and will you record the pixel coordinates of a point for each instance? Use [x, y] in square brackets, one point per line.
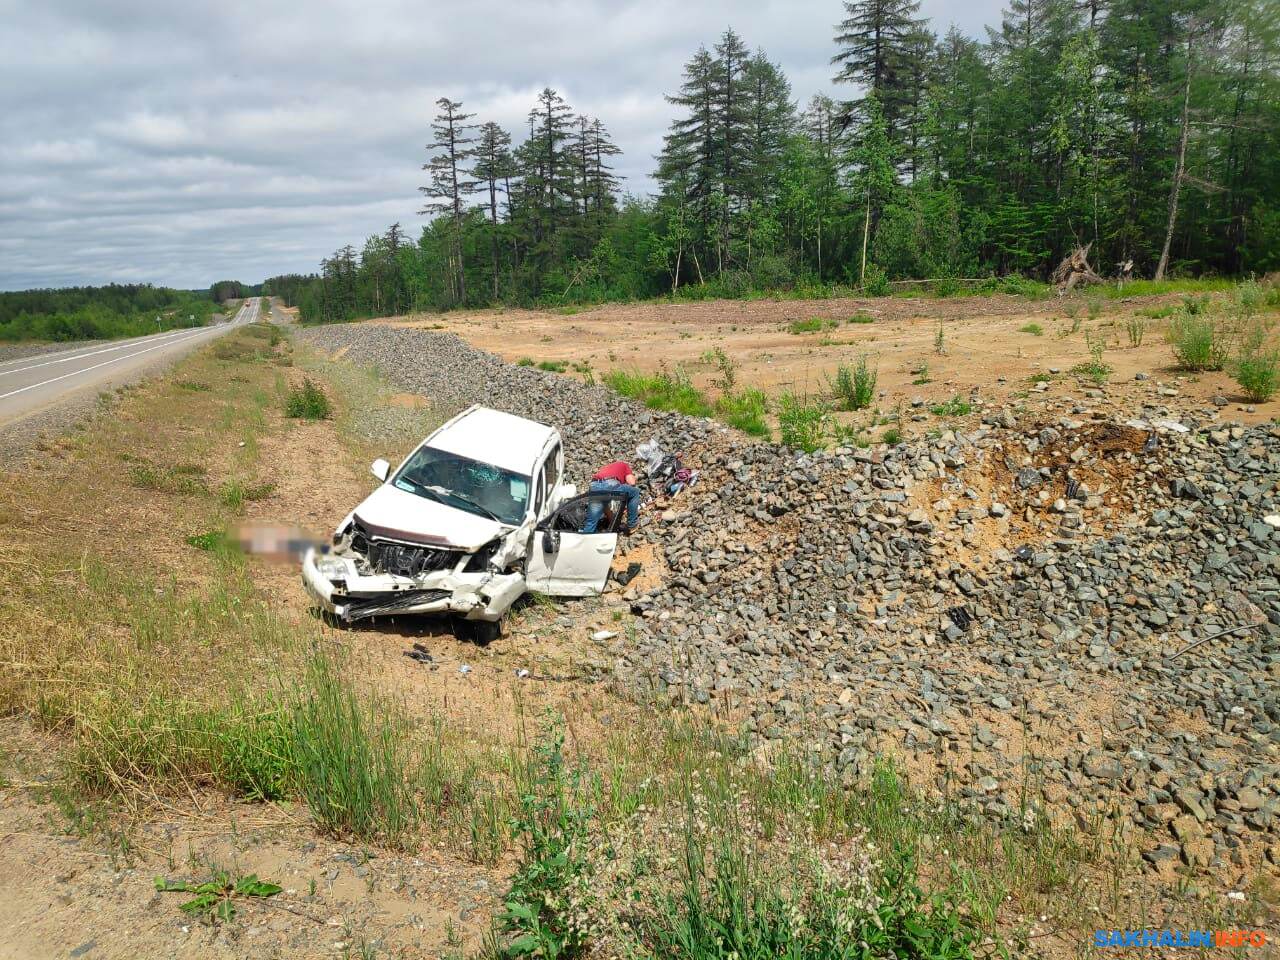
[332, 568]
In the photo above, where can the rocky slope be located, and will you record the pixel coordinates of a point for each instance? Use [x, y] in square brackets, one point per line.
[1058, 608]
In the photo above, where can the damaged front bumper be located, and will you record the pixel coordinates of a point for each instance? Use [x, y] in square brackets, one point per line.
[338, 587]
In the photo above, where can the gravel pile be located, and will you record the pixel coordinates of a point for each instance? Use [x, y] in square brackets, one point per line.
[1055, 609]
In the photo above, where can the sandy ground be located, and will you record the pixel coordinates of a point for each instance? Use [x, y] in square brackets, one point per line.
[984, 348]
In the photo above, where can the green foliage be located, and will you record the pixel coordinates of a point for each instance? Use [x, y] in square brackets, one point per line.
[960, 159]
[862, 318]
[1257, 368]
[100, 313]
[553, 366]
[182, 478]
[855, 388]
[210, 541]
[524, 362]
[1135, 328]
[957, 406]
[1200, 338]
[308, 402]
[552, 826]
[745, 410]
[803, 423]
[236, 493]
[350, 759]
[892, 436]
[811, 325]
[215, 898]
[660, 391]
[1095, 369]
[1032, 328]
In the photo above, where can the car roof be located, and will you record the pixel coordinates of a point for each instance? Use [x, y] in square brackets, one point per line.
[492, 436]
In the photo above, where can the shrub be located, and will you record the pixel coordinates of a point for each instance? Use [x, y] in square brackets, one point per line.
[308, 402]
[1257, 369]
[525, 362]
[1200, 340]
[854, 389]
[892, 436]
[803, 423]
[875, 283]
[553, 366]
[862, 318]
[1032, 328]
[940, 340]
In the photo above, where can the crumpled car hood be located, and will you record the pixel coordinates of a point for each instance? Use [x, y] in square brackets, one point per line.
[399, 515]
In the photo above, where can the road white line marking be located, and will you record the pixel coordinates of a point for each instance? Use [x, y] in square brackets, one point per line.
[154, 338]
[76, 353]
[75, 373]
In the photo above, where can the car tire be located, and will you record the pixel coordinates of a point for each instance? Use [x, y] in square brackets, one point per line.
[480, 632]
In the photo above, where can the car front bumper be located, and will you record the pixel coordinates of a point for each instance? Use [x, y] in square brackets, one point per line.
[348, 595]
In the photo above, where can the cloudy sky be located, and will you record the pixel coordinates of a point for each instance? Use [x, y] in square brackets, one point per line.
[181, 143]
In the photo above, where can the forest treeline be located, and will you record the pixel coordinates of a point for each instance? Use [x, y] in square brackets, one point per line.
[95, 313]
[1147, 128]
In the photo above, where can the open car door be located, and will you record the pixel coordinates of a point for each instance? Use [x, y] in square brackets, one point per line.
[564, 562]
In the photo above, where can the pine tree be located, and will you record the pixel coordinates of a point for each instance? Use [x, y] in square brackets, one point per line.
[449, 187]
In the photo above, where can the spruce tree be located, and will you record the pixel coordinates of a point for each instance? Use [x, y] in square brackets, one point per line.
[449, 186]
[875, 45]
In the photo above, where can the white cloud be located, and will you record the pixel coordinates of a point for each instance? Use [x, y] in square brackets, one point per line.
[189, 142]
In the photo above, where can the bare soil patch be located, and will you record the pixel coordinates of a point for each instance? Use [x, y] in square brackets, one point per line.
[984, 347]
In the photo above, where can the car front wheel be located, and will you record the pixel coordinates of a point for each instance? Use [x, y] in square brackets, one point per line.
[480, 632]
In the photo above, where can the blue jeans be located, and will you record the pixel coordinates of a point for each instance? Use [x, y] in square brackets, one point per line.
[595, 510]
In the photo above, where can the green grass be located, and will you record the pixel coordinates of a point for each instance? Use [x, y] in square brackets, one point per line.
[553, 366]
[1152, 288]
[812, 325]
[236, 493]
[308, 402]
[862, 318]
[1032, 328]
[181, 478]
[957, 406]
[1201, 340]
[746, 410]
[525, 362]
[350, 758]
[661, 391]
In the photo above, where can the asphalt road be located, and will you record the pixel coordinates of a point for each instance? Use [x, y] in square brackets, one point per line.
[31, 385]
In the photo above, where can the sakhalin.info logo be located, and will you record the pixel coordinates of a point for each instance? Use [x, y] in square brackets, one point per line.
[1179, 938]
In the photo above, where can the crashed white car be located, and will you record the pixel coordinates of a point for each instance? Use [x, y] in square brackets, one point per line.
[472, 519]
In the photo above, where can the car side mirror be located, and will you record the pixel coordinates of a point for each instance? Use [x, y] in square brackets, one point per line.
[550, 541]
[380, 469]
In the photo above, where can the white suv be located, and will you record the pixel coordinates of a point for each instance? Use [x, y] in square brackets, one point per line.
[474, 516]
